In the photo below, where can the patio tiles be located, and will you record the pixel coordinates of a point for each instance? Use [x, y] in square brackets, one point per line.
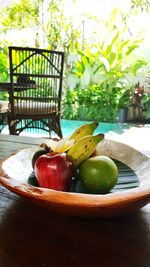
[137, 137]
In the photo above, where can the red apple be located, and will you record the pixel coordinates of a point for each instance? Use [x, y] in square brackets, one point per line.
[54, 171]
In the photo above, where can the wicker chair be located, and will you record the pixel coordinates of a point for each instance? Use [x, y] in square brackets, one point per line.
[36, 86]
[3, 114]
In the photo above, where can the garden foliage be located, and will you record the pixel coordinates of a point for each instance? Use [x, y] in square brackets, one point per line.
[101, 80]
[102, 77]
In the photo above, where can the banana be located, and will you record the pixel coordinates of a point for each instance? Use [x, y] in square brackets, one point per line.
[83, 148]
[86, 129]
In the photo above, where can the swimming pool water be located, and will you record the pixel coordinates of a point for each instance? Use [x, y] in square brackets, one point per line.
[68, 126]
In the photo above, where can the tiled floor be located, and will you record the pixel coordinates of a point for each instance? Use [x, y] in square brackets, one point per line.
[137, 137]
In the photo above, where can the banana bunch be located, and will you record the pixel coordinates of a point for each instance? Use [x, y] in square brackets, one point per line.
[80, 145]
[86, 129]
[85, 143]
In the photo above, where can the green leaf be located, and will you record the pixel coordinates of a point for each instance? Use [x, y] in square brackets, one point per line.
[112, 58]
[106, 63]
[131, 49]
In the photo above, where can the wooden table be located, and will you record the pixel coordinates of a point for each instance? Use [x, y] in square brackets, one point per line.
[31, 236]
[5, 86]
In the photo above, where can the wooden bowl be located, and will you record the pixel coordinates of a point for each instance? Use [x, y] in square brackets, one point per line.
[116, 203]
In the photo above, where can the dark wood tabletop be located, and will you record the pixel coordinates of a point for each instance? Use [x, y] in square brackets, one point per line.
[5, 86]
[32, 236]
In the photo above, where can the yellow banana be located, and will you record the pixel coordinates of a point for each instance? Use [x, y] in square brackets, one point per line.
[86, 129]
[83, 148]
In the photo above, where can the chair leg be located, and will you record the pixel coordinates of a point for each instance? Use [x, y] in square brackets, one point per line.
[12, 126]
[54, 125]
[2, 121]
[58, 130]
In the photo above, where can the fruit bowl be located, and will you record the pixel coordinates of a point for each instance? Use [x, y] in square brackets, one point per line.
[131, 193]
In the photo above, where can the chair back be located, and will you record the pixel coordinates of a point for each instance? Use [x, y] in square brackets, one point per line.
[36, 83]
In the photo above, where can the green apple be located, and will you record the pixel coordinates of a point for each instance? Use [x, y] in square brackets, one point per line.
[98, 174]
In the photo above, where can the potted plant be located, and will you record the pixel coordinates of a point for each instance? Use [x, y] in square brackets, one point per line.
[138, 93]
[123, 104]
[136, 107]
